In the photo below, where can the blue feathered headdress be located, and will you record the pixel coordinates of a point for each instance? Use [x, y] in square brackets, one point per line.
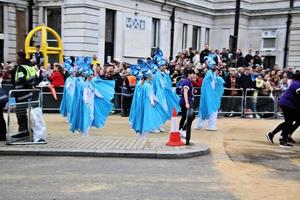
[83, 64]
[136, 70]
[67, 65]
[210, 60]
[151, 64]
[158, 57]
[88, 72]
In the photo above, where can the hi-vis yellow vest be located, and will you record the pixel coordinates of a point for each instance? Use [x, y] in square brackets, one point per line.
[31, 73]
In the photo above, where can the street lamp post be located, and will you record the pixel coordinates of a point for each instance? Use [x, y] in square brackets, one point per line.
[236, 29]
[287, 35]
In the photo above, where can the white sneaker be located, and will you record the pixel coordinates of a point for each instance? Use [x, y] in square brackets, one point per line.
[257, 116]
[161, 129]
[212, 129]
[155, 131]
[182, 134]
[198, 127]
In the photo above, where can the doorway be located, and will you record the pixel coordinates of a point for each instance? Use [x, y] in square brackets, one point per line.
[20, 29]
[269, 62]
[109, 35]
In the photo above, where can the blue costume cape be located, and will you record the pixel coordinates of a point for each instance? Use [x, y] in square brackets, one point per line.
[210, 97]
[76, 109]
[171, 97]
[147, 117]
[158, 88]
[104, 93]
[132, 116]
[66, 103]
[91, 104]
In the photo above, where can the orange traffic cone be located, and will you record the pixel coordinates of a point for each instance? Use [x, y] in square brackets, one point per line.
[174, 139]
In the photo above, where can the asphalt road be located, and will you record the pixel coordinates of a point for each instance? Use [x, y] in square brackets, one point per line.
[63, 178]
[241, 165]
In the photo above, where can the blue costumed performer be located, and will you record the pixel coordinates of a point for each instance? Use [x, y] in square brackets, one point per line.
[91, 102]
[67, 99]
[211, 92]
[148, 111]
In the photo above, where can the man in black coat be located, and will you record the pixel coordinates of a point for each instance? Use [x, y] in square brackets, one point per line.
[204, 53]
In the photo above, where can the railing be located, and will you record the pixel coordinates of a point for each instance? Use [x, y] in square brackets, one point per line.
[233, 102]
[19, 129]
[49, 104]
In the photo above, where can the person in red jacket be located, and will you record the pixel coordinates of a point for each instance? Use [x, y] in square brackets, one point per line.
[57, 77]
[197, 83]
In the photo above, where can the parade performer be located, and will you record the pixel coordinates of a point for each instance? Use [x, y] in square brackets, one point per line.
[171, 97]
[135, 70]
[91, 100]
[67, 99]
[148, 114]
[290, 105]
[162, 85]
[212, 90]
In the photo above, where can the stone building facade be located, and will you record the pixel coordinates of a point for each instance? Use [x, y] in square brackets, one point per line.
[128, 29]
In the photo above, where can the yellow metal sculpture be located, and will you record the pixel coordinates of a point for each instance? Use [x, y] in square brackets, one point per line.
[45, 49]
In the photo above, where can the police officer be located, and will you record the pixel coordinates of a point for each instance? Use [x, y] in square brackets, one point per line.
[24, 79]
[3, 101]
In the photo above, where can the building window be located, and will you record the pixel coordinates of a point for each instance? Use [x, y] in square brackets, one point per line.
[184, 36]
[207, 36]
[268, 39]
[1, 19]
[269, 43]
[155, 32]
[53, 20]
[196, 37]
[109, 35]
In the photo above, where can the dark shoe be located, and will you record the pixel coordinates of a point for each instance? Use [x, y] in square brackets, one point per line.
[230, 115]
[124, 115]
[21, 135]
[270, 137]
[291, 140]
[187, 142]
[285, 145]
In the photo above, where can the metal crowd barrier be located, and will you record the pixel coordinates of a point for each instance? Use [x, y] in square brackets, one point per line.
[18, 117]
[258, 104]
[49, 104]
[232, 104]
[243, 104]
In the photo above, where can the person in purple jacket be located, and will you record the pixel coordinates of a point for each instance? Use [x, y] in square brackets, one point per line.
[290, 105]
[186, 103]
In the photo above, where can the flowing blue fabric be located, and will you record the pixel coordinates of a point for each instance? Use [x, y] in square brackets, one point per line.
[91, 104]
[67, 100]
[150, 117]
[171, 97]
[104, 93]
[159, 89]
[132, 116]
[76, 108]
[210, 97]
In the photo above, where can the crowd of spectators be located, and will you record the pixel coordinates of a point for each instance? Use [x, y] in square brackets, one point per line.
[241, 74]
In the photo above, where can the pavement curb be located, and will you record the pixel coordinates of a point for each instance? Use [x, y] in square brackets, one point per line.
[192, 151]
